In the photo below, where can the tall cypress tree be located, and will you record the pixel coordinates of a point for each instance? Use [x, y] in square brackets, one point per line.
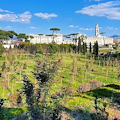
[95, 49]
[79, 45]
[90, 48]
[85, 47]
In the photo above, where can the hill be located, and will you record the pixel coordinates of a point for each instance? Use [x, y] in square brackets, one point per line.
[116, 36]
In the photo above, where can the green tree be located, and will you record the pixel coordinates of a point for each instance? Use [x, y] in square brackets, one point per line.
[95, 48]
[90, 48]
[116, 46]
[22, 36]
[31, 37]
[32, 49]
[10, 34]
[54, 29]
[79, 45]
[1, 49]
[53, 47]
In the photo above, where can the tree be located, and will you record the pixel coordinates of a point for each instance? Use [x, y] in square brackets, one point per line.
[3, 34]
[116, 46]
[53, 47]
[95, 48]
[90, 48]
[10, 34]
[1, 49]
[54, 29]
[40, 34]
[83, 48]
[22, 36]
[32, 49]
[79, 45]
[31, 37]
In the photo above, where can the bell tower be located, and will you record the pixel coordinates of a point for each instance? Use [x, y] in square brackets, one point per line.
[97, 30]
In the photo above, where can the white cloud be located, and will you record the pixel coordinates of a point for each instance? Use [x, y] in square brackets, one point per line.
[33, 27]
[45, 15]
[111, 10]
[31, 34]
[111, 28]
[21, 18]
[1, 10]
[87, 29]
[72, 26]
[8, 27]
[97, 0]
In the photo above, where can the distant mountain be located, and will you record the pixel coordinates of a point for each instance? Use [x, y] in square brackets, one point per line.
[116, 36]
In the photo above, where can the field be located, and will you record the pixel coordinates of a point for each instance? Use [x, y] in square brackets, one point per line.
[75, 73]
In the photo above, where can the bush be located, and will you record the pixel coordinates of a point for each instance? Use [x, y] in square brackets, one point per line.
[85, 87]
[15, 99]
[94, 84]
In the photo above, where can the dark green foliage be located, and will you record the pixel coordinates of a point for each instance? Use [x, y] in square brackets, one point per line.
[1, 103]
[39, 48]
[84, 48]
[90, 48]
[55, 29]
[3, 37]
[101, 113]
[27, 41]
[7, 34]
[36, 94]
[22, 36]
[1, 49]
[95, 48]
[1, 112]
[32, 49]
[79, 45]
[53, 47]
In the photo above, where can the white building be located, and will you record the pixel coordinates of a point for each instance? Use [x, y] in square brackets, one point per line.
[8, 43]
[102, 40]
[58, 38]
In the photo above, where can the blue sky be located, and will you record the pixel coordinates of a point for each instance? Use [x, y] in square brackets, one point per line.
[71, 16]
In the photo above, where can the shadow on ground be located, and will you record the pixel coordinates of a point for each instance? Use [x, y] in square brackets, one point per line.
[9, 113]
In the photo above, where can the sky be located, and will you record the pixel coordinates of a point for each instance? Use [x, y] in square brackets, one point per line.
[70, 16]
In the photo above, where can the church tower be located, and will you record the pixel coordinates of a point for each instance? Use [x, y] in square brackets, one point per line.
[97, 30]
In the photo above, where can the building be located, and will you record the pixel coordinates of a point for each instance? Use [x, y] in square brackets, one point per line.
[102, 40]
[58, 38]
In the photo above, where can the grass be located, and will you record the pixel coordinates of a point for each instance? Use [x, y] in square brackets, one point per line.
[84, 101]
